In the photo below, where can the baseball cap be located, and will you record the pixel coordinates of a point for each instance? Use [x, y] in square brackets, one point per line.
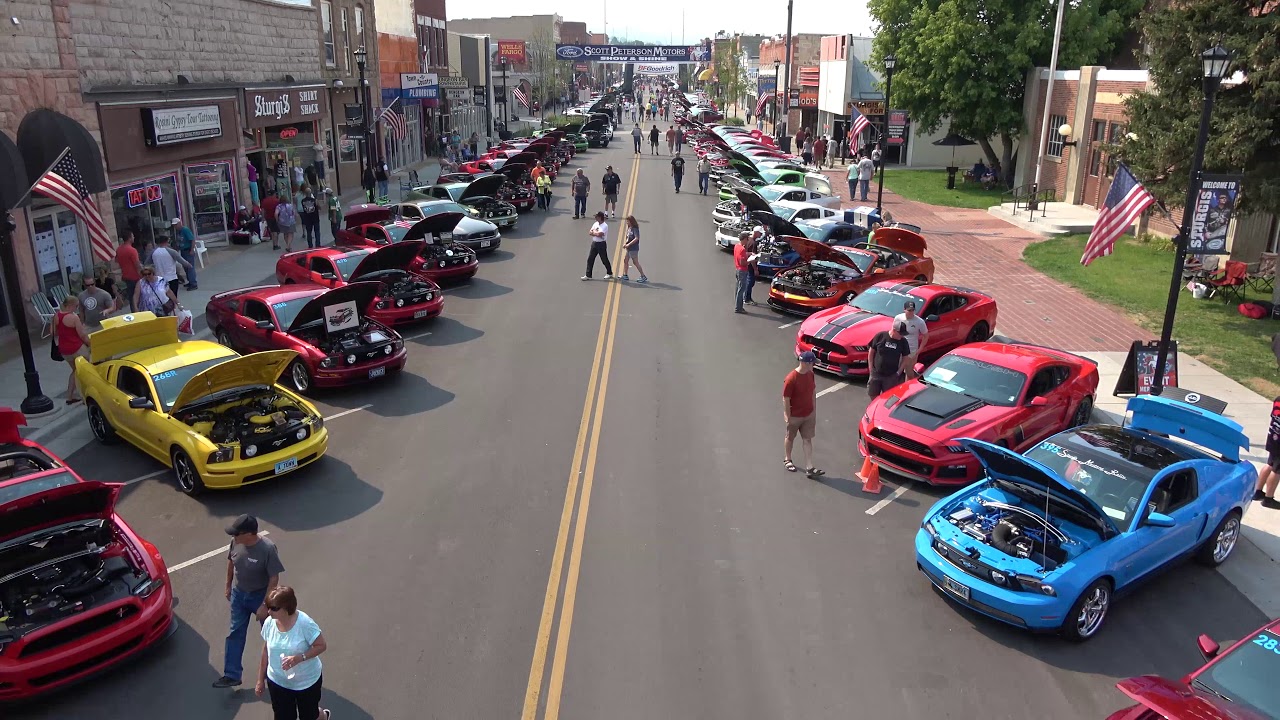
[909, 305]
[175, 221]
[808, 357]
[900, 328]
[243, 524]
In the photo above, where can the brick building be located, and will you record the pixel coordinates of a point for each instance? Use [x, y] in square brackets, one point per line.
[348, 28]
[802, 78]
[433, 48]
[406, 88]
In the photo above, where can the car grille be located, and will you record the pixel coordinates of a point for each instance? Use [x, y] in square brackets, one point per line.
[416, 297]
[99, 659]
[271, 442]
[911, 466]
[487, 235]
[825, 345]
[82, 628]
[783, 286]
[907, 443]
[963, 562]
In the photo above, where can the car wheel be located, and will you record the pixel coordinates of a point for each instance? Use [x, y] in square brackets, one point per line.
[1222, 542]
[979, 333]
[300, 377]
[224, 339]
[922, 278]
[1083, 412]
[1089, 612]
[185, 473]
[101, 427]
[848, 297]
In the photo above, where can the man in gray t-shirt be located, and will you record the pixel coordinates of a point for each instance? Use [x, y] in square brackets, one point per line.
[253, 569]
[95, 303]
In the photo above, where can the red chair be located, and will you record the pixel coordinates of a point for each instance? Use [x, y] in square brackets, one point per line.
[1229, 283]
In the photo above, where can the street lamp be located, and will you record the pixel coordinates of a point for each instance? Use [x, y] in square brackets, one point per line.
[777, 74]
[362, 97]
[1216, 61]
[889, 62]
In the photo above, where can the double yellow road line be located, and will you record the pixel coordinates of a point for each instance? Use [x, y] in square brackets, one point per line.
[577, 497]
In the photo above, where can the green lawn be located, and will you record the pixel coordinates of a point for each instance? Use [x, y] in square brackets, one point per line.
[1136, 279]
[930, 186]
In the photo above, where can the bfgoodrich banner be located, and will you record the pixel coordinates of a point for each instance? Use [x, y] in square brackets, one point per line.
[635, 53]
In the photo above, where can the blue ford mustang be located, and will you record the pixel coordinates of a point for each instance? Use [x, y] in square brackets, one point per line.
[1051, 536]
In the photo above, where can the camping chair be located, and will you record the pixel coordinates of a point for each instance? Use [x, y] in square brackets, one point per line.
[46, 313]
[59, 293]
[1230, 283]
[1262, 274]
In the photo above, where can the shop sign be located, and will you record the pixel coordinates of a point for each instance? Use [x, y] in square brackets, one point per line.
[767, 85]
[454, 82]
[289, 132]
[793, 98]
[897, 127]
[808, 99]
[166, 126]
[869, 108]
[144, 195]
[207, 189]
[456, 95]
[477, 95]
[512, 51]
[419, 86]
[652, 68]
[264, 108]
[634, 53]
[582, 67]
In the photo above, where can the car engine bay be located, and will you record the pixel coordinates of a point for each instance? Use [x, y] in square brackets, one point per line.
[448, 253]
[1014, 531]
[810, 276]
[257, 418]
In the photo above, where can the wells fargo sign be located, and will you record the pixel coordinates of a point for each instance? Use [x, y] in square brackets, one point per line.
[512, 51]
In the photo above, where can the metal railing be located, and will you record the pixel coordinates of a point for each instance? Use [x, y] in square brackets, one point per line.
[1026, 197]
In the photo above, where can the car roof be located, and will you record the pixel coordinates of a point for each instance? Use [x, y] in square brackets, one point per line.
[168, 357]
[1026, 358]
[278, 293]
[798, 204]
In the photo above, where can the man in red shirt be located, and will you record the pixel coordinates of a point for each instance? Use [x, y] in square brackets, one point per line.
[799, 411]
[742, 258]
[130, 266]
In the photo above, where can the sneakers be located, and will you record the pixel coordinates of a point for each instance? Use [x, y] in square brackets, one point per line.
[586, 277]
[624, 277]
[740, 311]
[751, 302]
[1271, 503]
[226, 682]
[643, 279]
[575, 217]
[608, 277]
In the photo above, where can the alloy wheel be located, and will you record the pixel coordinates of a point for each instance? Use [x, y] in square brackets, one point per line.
[1093, 611]
[223, 339]
[98, 423]
[1225, 542]
[1083, 412]
[301, 379]
[979, 333]
[184, 472]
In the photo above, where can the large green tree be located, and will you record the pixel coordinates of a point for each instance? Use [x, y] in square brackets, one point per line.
[966, 61]
[1245, 131]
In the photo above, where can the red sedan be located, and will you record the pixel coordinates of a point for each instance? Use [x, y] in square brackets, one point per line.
[1012, 395]
[440, 260]
[336, 342]
[404, 296]
[839, 336]
[1238, 684]
[81, 591]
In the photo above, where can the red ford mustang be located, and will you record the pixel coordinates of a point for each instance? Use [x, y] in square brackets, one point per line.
[1013, 395]
[1238, 684]
[440, 260]
[336, 342]
[839, 336]
[831, 276]
[404, 296]
[79, 590]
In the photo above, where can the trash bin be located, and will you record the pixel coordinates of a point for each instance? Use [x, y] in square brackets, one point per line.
[951, 177]
[784, 143]
[505, 135]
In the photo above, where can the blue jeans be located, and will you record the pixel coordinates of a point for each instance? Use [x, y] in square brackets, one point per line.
[678, 177]
[312, 233]
[382, 188]
[580, 205]
[853, 190]
[243, 606]
[637, 145]
[866, 185]
[704, 182]
[744, 287]
[751, 282]
[190, 256]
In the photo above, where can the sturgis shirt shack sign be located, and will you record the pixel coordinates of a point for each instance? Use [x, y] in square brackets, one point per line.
[283, 106]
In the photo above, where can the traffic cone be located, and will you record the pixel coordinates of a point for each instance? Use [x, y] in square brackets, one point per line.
[870, 477]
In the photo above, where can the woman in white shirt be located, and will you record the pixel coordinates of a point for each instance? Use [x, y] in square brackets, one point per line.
[290, 667]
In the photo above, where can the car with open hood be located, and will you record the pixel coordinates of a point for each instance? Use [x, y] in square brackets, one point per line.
[479, 235]
[1009, 394]
[405, 296]
[336, 340]
[1051, 536]
[828, 275]
[753, 211]
[839, 336]
[80, 591]
[816, 182]
[481, 195]
[440, 259]
[1234, 684]
[598, 133]
[219, 420]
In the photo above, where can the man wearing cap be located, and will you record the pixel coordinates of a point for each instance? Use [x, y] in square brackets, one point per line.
[916, 332]
[887, 355]
[799, 412]
[186, 242]
[253, 569]
[335, 212]
[609, 183]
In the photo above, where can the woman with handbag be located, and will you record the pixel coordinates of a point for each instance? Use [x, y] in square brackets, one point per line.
[152, 294]
[70, 341]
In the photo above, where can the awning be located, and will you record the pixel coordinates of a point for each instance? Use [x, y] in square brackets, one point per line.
[705, 75]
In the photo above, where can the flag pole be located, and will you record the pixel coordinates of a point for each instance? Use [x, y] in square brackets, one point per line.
[1048, 100]
[65, 151]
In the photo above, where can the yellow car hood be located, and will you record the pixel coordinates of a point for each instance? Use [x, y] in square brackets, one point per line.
[130, 333]
[262, 368]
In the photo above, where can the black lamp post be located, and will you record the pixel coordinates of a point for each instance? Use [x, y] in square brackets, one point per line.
[889, 62]
[777, 76]
[362, 57]
[1216, 60]
[36, 402]
[505, 115]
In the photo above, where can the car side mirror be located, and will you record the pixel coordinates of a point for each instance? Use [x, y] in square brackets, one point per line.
[1039, 401]
[877, 271]
[1208, 648]
[328, 276]
[930, 318]
[141, 403]
[919, 368]
[265, 325]
[1159, 520]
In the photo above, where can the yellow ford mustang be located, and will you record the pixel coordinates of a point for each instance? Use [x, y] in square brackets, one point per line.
[218, 419]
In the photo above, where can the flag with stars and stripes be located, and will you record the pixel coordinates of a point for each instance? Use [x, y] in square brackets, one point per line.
[520, 94]
[858, 125]
[65, 184]
[1126, 200]
[393, 119]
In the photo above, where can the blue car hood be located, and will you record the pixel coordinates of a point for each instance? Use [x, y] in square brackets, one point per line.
[1004, 464]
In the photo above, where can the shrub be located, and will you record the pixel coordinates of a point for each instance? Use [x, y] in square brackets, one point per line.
[734, 120]
[1156, 242]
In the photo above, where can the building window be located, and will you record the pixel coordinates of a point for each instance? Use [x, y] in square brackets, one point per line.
[1055, 138]
[326, 22]
[1095, 146]
[359, 28]
[346, 43]
[1117, 135]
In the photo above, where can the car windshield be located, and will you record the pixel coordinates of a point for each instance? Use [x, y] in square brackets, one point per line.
[440, 207]
[771, 194]
[287, 311]
[170, 382]
[811, 232]
[12, 492]
[347, 264]
[782, 211]
[395, 232]
[882, 301]
[862, 260]
[1106, 464]
[1246, 675]
[980, 380]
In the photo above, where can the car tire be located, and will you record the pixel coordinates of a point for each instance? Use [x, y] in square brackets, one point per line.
[1088, 612]
[223, 339]
[185, 474]
[100, 425]
[981, 332]
[922, 278]
[1084, 411]
[299, 377]
[848, 297]
[1215, 551]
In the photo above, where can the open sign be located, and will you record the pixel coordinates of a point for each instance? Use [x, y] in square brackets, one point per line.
[289, 132]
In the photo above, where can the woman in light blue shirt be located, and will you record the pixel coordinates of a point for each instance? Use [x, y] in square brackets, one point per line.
[290, 667]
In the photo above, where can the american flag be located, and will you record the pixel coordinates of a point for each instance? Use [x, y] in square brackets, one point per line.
[393, 120]
[65, 184]
[518, 93]
[860, 124]
[1126, 200]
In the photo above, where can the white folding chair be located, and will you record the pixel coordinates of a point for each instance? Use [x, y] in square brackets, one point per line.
[46, 313]
[200, 251]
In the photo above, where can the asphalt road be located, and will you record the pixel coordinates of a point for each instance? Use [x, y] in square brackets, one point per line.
[686, 576]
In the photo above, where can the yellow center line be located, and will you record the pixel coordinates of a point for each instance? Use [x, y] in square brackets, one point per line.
[598, 380]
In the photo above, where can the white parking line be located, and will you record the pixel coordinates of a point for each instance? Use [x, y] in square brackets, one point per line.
[206, 556]
[148, 476]
[784, 327]
[415, 337]
[335, 416]
[833, 388]
[885, 502]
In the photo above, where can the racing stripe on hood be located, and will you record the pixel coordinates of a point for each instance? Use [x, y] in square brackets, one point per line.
[833, 328]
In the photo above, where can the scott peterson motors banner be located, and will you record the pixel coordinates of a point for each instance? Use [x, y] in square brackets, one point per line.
[635, 53]
[1215, 204]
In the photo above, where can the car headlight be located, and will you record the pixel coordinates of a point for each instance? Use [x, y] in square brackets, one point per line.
[145, 589]
[329, 362]
[400, 303]
[224, 453]
[386, 349]
[301, 434]
[250, 450]
[442, 263]
[382, 305]
[317, 422]
[1033, 584]
[825, 293]
[927, 526]
[999, 578]
[428, 297]
[957, 449]
[351, 359]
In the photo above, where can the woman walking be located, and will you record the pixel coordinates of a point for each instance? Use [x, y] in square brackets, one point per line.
[71, 340]
[632, 248]
[152, 294]
[290, 668]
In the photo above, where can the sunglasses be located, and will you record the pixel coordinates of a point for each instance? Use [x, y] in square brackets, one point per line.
[273, 608]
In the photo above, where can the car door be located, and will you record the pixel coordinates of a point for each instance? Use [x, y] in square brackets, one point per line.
[1148, 548]
[795, 196]
[1044, 420]
[841, 235]
[809, 213]
[939, 316]
[322, 272]
[145, 428]
[253, 338]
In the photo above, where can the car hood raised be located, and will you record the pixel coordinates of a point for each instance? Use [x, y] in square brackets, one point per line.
[395, 256]
[810, 250]
[66, 503]
[751, 199]
[900, 239]
[432, 226]
[513, 172]
[362, 293]
[367, 214]
[524, 158]
[260, 368]
[1173, 699]
[488, 185]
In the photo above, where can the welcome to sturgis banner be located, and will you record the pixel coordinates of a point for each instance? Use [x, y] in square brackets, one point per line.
[1215, 204]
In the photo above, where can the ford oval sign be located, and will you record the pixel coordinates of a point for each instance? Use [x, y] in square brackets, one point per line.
[569, 52]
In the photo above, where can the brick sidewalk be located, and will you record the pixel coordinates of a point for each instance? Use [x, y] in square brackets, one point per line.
[974, 249]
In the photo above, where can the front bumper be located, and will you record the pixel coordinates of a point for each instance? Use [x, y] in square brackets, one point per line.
[503, 221]
[450, 273]
[238, 473]
[362, 372]
[410, 313]
[481, 245]
[720, 217]
[952, 470]
[844, 365]
[798, 305]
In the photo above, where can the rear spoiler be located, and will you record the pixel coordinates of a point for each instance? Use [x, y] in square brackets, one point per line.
[1180, 421]
[129, 333]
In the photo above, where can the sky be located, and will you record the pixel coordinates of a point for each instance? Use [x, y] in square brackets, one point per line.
[660, 21]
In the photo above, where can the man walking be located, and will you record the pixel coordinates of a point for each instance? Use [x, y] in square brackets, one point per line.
[130, 265]
[886, 358]
[580, 186]
[186, 248]
[679, 139]
[253, 570]
[653, 140]
[916, 333]
[609, 184]
[269, 205]
[599, 234]
[671, 140]
[636, 135]
[169, 263]
[799, 412]
[677, 170]
[742, 259]
[309, 213]
[383, 177]
[704, 175]
[1269, 477]
[335, 213]
[866, 169]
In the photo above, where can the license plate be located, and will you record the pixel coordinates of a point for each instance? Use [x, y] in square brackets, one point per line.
[956, 588]
[484, 243]
[377, 372]
[446, 236]
[285, 466]
[420, 314]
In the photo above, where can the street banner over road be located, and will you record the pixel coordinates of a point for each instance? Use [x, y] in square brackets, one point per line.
[666, 68]
[635, 53]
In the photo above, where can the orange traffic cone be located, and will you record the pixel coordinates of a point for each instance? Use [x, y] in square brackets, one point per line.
[870, 477]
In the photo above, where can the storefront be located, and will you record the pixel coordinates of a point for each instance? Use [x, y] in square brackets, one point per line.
[285, 138]
[166, 158]
[418, 93]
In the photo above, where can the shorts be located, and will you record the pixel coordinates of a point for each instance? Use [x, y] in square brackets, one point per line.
[806, 426]
[273, 226]
[611, 198]
[1273, 459]
[877, 384]
[633, 254]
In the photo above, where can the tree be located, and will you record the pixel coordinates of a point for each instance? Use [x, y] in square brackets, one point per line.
[731, 77]
[1244, 135]
[541, 49]
[966, 61]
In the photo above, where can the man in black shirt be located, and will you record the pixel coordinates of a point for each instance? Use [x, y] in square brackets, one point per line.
[677, 169]
[610, 183]
[887, 356]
